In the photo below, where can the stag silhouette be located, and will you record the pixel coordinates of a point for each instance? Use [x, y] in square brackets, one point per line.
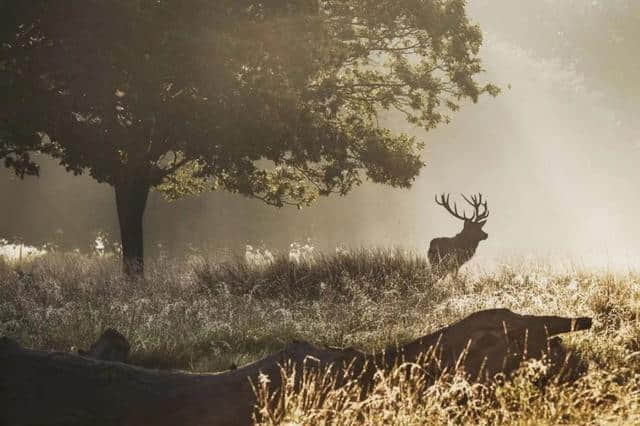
[448, 254]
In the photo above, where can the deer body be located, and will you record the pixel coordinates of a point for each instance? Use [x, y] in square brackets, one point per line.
[448, 254]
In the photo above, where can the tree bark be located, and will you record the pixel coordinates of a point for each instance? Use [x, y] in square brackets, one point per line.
[52, 388]
[131, 201]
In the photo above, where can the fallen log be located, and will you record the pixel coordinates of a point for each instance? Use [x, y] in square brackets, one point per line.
[53, 388]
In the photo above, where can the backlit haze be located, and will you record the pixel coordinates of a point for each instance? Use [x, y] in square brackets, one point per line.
[555, 154]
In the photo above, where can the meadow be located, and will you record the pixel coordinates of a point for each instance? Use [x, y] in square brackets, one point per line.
[207, 314]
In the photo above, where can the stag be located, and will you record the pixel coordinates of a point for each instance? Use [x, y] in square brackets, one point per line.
[448, 254]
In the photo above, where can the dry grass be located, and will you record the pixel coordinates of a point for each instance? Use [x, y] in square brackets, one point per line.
[202, 315]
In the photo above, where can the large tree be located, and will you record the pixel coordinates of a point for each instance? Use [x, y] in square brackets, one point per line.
[276, 100]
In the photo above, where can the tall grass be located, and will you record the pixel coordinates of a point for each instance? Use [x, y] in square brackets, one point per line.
[205, 315]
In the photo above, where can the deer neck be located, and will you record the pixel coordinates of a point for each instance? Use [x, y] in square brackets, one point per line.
[465, 240]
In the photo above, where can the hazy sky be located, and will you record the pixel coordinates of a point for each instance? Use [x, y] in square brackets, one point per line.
[555, 155]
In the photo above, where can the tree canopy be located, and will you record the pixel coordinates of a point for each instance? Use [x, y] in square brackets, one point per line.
[277, 100]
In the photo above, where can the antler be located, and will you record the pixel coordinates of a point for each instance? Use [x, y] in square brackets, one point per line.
[476, 202]
[444, 202]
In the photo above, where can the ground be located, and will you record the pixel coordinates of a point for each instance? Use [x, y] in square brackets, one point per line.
[203, 315]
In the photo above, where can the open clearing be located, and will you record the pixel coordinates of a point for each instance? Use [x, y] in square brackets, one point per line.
[201, 315]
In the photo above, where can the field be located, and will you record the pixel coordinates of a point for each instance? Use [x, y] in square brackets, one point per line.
[204, 314]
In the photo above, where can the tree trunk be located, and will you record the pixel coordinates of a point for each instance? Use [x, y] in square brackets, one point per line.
[49, 388]
[131, 200]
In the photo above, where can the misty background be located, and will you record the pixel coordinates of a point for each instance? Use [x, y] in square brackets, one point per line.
[555, 155]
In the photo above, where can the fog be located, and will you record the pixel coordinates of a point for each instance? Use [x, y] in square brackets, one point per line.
[554, 154]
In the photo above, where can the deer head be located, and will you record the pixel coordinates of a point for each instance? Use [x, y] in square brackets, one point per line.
[472, 225]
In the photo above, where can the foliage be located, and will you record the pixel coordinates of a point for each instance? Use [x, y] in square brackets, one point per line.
[149, 89]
